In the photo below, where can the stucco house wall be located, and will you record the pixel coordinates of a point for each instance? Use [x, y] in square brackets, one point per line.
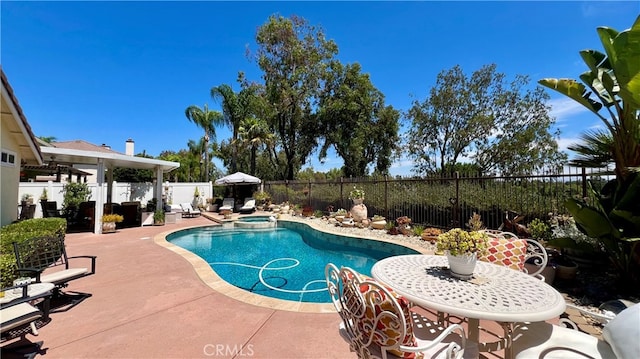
[9, 177]
[18, 146]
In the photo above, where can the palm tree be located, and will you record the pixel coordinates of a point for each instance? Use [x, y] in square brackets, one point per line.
[48, 139]
[194, 160]
[207, 120]
[235, 108]
[254, 133]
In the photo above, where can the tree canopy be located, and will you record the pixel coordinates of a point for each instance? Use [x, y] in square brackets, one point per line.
[293, 56]
[356, 122]
[500, 127]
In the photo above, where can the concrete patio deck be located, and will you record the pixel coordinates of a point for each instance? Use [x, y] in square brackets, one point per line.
[149, 302]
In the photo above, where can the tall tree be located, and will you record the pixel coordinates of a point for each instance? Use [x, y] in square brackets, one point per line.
[356, 123]
[293, 56]
[236, 107]
[499, 126]
[255, 133]
[207, 120]
[196, 163]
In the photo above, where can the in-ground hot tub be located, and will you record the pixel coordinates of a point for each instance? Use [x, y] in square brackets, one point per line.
[256, 222]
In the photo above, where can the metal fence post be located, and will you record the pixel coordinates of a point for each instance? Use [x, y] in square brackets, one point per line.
[584, 182]
[386, 195]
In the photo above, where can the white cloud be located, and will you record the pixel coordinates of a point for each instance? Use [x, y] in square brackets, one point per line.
[563, 143]
[564, 108]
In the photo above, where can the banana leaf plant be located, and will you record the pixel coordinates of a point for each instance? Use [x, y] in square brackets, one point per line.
[614, 221]
[611, 90]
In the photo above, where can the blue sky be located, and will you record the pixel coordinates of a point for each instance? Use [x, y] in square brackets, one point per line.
[108, 71]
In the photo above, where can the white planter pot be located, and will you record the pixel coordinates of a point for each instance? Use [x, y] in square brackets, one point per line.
[108, 227]
[462, 266]
[379, 224]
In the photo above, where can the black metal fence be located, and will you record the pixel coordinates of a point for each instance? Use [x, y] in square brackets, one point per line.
[446, 201]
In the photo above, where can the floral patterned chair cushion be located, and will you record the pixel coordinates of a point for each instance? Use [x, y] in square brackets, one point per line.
[509, 252]
[385, 334]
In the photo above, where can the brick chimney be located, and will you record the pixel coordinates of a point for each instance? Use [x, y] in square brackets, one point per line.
[129, 147]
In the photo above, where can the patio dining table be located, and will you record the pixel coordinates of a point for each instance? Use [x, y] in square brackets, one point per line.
[494, 292]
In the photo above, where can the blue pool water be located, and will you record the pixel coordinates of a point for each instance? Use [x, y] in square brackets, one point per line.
[286, 262]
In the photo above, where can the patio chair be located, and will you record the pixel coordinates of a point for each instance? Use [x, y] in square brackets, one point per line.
[227, 205]
[50, 209]
[523, 254]
[188, 210]
[249, 206]
[544, 340]
[35, 255]
[378, 323]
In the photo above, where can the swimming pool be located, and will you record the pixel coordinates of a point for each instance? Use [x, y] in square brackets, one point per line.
[286, 262]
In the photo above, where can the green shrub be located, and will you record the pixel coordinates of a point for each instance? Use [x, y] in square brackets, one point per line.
[20, 231]
[417, 230]
[539, 230]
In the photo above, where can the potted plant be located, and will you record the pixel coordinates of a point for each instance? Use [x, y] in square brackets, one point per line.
[263, 199]
[109, 222]
[73, 194]
[44, 196]
[356, 195]
[462, 249]
[340, 214]
[27, 198]
[158, 218]
[378, 222]
[359, 210]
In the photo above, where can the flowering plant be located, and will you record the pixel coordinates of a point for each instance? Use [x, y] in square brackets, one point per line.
[356, 193]
[112, 218]
[459, 242]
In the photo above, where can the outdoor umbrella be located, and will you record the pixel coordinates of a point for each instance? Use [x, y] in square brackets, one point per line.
[238, 178]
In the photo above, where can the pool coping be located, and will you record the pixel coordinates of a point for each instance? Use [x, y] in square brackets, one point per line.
[211, 278]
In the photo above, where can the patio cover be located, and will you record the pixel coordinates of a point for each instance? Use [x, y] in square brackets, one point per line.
[238, 178]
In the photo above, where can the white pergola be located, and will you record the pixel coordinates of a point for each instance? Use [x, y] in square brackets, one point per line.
[105, 160]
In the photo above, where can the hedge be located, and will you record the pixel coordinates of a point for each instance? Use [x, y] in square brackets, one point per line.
[18, 232]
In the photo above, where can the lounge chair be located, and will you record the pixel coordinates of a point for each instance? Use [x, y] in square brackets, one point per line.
[227, 205]
[249, 206]
[188, 211]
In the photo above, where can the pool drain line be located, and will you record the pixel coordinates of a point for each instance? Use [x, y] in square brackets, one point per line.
[266, 267]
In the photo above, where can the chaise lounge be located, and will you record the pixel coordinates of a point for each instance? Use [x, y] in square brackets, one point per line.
[227, 205]
[188, 210]
[248, 207]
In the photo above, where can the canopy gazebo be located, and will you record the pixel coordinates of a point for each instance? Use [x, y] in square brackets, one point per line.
[237, 179]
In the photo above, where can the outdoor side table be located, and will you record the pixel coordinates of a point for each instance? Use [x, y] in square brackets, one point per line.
[494, 293]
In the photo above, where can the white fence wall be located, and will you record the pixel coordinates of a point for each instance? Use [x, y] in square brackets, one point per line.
[175, 193]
